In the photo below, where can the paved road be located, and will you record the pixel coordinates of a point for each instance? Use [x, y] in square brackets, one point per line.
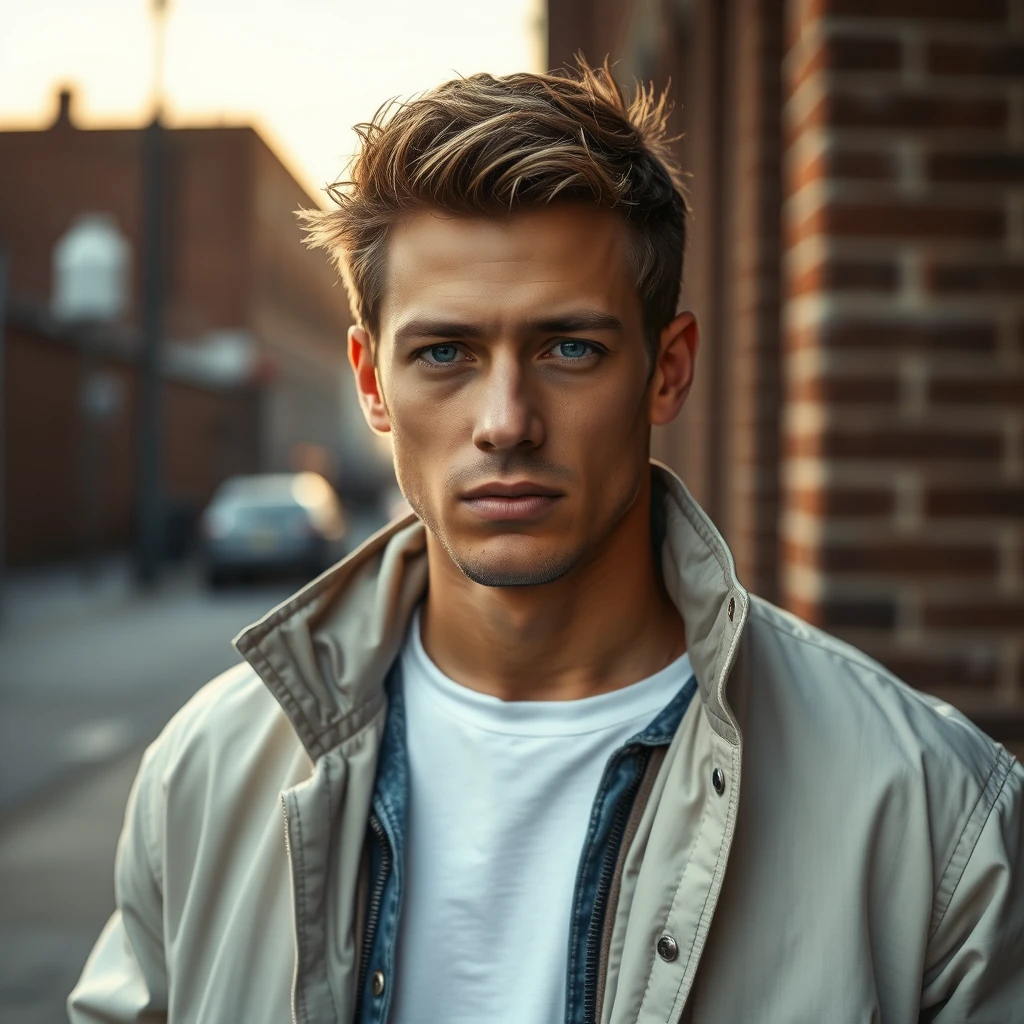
[87, 677]
[57, 889]
[84, 683]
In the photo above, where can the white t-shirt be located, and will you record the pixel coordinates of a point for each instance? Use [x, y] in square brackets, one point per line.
[500, 796]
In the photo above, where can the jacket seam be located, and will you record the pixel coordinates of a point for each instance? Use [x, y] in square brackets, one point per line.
[865, 663]
[148, 832]
[711, 713]
[1006, 760]
[1003, 760]
[304, 600]
[717, 546]
[675, 895]
[292, 707]
[325, 765]
[733, 797]
[300, 913]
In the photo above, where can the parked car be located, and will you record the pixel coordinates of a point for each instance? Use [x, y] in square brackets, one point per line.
[273, 522]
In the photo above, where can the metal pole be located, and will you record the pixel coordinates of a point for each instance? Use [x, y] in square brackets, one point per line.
[150, 497]
[90, 445]
[3, 420]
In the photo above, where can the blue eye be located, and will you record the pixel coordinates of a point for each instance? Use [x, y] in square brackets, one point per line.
[570, 349]
[443, 353]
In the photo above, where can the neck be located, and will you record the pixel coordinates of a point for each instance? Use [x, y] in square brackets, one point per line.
[605, 624]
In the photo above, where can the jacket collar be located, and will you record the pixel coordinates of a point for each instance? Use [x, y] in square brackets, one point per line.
[324, 652]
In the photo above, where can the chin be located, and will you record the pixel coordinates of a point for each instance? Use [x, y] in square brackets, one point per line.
[514, 568]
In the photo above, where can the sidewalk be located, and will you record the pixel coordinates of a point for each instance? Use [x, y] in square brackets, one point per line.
[91, 668]
[57, 865]
[53, 596]
[90, 671]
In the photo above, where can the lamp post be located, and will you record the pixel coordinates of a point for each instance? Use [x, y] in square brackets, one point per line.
[3, 416]
[150, 525]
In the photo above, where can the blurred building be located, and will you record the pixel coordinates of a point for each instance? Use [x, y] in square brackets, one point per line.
[856, 258]
[254, 329]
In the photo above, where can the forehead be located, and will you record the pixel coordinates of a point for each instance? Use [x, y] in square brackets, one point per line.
[509, 268]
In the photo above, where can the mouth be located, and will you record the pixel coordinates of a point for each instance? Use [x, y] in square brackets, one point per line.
[508, 502]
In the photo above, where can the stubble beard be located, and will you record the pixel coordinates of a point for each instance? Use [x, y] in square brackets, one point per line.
[542, 570]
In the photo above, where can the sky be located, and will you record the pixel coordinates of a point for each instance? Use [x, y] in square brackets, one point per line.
[302, 71]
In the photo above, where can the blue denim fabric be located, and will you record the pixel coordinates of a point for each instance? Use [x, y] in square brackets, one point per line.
[608, 818]
[387, 852]
[612, 805]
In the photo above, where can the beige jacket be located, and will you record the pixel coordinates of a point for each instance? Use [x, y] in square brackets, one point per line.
[863, 861]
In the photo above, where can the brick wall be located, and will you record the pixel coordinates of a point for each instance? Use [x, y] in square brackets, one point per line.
[902, 521]
[209, 433]
[234, 260]
[752, 270]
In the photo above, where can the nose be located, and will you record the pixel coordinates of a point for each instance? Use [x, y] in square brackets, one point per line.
[508, 416]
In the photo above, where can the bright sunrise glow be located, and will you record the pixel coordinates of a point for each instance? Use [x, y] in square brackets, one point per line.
[301, 71]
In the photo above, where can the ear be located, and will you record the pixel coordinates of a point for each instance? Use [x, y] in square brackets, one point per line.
[360, 355]
[673, 371]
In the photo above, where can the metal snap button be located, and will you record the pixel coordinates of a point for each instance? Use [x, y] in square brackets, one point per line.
[718, 781]
[668, 948]
[732, 607]
[377, 983]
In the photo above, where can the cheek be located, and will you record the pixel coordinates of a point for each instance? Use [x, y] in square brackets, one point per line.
[604, 427]
[609, 438]
[424, 442]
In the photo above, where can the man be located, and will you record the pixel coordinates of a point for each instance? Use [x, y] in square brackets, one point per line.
[534, 754]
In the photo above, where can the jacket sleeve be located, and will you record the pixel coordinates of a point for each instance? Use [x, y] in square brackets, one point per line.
[975, 969]
[125, 977]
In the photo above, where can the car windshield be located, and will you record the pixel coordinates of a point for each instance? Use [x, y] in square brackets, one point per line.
[278, 500]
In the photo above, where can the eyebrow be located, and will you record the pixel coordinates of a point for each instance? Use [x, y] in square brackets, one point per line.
[456, 330]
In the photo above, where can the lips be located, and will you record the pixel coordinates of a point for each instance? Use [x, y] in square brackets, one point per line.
[522, 489]
[511, 502]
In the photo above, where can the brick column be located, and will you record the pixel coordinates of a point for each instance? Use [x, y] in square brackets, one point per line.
[726, 442]
[903, 328]
[753, 272]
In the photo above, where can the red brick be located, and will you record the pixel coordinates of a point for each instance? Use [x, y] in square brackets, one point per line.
[848, 275]
[851, 164]
[992, 615]
[903, 220]
[929, 671]
[809, 611]
[1000, 501]
[910, 559]
[997, 58]
[849, 52]
[862, 165]
[952, 10]
[880, 443]
[976, 278]
[1000, 166]
[845, 502]
[842, 390]
[1006, 390]
[906, 110]
[859, 613]
[924, 335]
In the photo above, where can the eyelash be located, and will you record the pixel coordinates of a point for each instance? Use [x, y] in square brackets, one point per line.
[419, 355]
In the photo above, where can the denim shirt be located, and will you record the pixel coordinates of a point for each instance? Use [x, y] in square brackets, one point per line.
[609, 814]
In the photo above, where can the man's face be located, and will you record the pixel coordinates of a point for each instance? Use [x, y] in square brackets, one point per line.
[512, 363]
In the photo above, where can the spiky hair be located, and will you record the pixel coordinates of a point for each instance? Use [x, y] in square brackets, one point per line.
[490, 146]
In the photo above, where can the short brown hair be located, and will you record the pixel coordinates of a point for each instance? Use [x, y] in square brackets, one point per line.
[487, 145]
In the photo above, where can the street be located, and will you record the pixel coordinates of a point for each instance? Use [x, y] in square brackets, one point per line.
[89, 673]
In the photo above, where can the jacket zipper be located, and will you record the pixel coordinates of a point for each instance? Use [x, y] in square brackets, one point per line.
[291, 868]
[373, 912]
[593, 956]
